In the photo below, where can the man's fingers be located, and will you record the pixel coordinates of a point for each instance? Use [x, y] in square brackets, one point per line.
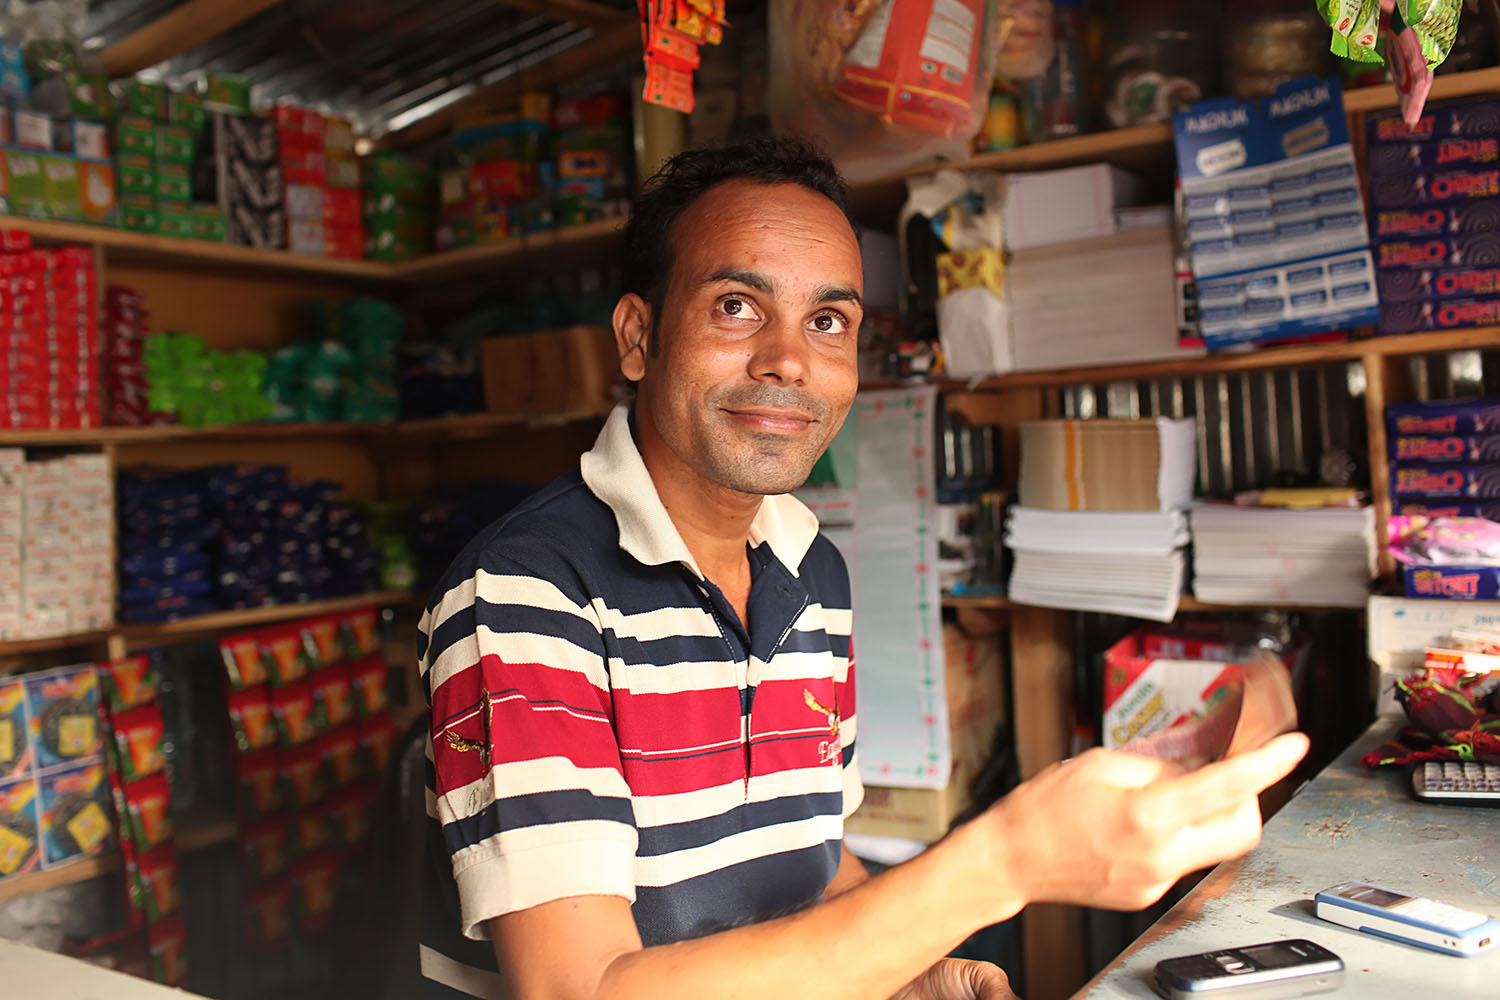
[1220, 787]
[1227, 835]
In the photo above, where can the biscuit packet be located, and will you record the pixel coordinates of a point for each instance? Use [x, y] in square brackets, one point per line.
[128, 683]
[136, 747]
[244, 660]
[259, 783]
[145, 809]
[251, 720]
[154, 879]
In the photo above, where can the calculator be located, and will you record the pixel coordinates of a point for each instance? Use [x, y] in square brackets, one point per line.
[1460, 782]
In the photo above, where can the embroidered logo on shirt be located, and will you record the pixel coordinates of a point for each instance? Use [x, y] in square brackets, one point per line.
[463, 745]
[829, 750]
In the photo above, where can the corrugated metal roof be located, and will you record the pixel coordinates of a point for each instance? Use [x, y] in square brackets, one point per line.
[380, 63]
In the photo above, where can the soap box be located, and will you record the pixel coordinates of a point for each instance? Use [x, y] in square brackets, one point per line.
[1475, 481]
[1453, 583]
[1431, 448]
[1478, 415]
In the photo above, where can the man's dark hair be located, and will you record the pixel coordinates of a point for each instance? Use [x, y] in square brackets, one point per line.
[686, 177]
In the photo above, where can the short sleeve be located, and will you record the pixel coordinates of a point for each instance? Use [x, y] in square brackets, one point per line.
[526, 779]
[844, 688]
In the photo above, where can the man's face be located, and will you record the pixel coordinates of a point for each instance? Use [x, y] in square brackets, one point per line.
[756, 360]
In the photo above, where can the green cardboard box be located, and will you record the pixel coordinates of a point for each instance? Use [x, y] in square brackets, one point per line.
[135, 173]
[174, 144]
[138, 212]
[209, 224]
[136, 134]
[28, 189]
[60, 188]
[186, 110]
[172, 220]
[149, 100]
[229, 93]
[173, 183]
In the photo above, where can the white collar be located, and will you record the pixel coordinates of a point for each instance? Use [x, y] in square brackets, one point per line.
[614, 470]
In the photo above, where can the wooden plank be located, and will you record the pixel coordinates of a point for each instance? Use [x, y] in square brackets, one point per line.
[590, 237]
[145, 636]
[585, 13]
[183, 29]
[1387, 380]
[79, 871]
[23, 647]
[198, 255]
[1476, 81]
[604, 48]
[1042, 678]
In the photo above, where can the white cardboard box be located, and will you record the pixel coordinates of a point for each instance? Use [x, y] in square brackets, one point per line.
[1401, 629]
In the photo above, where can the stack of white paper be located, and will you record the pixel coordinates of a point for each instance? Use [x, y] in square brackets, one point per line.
[1129, 563]
[1061, 206]
[1322, 557]
[1107, 300]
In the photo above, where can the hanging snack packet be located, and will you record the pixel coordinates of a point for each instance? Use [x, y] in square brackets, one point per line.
[15, 748]
[20, 828]
[147, 812]
[295, 708]
[137, 748]
[368, 676]
[285, 654]
[250, 717]
[259, 783]
[358, 631]
[63, 708]
[168, 943]
[323, 640]
[335, 690]
[244, 661]
[128, 683]
[315, 881]
[1419, 35]
[376, 735]
[153, 883]
[349, 812]
[270, 909]
[302, 772]
[312, 830]
[341, 755]
[265, 848]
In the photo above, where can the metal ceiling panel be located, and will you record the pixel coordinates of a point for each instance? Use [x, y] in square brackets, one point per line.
[375, 62]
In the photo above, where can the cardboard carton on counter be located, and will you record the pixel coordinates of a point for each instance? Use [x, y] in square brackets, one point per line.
[972, 677]
[552, 371]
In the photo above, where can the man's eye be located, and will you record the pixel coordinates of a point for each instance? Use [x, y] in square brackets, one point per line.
[733, 307]
[829, 323]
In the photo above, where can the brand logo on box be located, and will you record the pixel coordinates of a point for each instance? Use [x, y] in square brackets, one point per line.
[1413, 254]
[1485, 184]
[1477, 282]
[1301, 100]
[1426, 425]
[1430, 481]
[1468, 313]
[1215, 121]
[1468, 150]
[1435, 583]
[1408, 449]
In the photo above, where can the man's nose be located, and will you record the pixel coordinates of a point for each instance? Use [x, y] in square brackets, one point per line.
[782, 354]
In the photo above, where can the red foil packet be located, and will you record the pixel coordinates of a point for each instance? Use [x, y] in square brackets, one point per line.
[251, 719]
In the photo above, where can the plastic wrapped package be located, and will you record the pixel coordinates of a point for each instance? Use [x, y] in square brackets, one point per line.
[1273, 42]
[1417, 36]
[885, 85]
[1161, 61]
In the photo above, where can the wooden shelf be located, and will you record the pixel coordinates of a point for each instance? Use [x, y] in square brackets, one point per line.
[19, 647]
[486, 257]
[126, 246]
[187, 629]
[195, 832]
[1477, 81]
[464, 425]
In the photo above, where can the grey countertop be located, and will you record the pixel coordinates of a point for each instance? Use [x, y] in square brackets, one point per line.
[1347, 824]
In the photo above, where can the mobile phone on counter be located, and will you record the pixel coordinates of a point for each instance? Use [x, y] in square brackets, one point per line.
[1411, 919]
[1292, 968]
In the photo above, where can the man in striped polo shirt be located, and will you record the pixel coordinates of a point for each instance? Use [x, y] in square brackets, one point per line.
[642, 679]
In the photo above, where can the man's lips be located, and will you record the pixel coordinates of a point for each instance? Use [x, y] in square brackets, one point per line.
[772, 420]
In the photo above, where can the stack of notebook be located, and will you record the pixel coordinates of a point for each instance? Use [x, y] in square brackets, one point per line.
[1260, 555]
[1101, 526]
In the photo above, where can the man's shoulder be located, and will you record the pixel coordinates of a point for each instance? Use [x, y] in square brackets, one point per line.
[548, 535]
[825, 574]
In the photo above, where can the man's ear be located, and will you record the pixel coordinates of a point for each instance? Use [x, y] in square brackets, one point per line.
[632, 322]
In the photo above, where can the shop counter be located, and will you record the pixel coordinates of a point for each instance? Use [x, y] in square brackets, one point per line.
[1347, 824]
[41, 975]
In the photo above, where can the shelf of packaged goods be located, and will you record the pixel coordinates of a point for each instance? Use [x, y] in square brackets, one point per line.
[1230, 362]
[202, 626]
[126, 246]
[463, 425]
[195, 832]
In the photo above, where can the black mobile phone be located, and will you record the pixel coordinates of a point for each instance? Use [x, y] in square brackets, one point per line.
[1293, 968]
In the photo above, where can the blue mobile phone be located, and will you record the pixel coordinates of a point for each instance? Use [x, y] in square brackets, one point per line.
[1412, 919]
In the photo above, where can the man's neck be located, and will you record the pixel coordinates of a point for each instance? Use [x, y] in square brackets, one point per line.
[714, 522]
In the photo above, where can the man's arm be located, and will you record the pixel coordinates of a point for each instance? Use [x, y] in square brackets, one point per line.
[1106, 829]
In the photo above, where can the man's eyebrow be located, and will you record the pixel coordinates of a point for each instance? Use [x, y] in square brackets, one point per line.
[750, 279]
[837, 293]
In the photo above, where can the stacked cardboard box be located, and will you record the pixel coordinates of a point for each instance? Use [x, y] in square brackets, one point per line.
[398, 209]
[56, 526]
[322, 183]
[157, 139]
[55, 157]
[240, 168]
[1434, 192]
[49, 370]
